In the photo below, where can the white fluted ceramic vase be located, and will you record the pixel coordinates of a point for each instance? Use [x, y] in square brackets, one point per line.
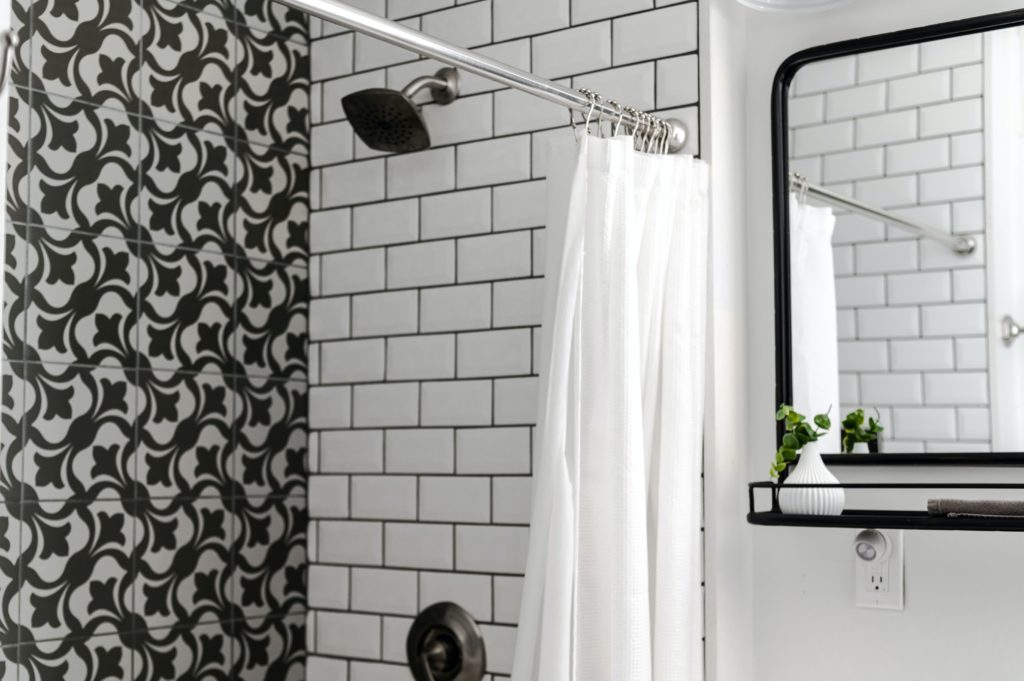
[811, 500]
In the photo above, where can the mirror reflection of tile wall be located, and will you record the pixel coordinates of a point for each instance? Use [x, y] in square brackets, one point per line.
[901, 129]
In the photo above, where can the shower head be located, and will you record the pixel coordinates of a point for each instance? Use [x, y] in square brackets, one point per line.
[389, 120]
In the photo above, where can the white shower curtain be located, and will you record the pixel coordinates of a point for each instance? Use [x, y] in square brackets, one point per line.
[613, 582]
[815, 327]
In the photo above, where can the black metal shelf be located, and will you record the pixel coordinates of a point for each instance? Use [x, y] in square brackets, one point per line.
[895, 520]
[884, 519]
[995, 459]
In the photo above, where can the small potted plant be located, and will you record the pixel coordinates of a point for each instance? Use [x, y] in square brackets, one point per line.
[800, 444]
[857, 438]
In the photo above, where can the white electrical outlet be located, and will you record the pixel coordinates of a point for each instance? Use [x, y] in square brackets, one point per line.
[879, 569]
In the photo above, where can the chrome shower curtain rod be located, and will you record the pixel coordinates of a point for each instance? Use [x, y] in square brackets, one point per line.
[964, 245]
[402, 36]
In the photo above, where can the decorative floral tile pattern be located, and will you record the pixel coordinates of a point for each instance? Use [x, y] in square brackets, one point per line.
[84, 165]
[273, 17]
[270, 648]
[184, 561]
[196, 652]
[271, 419]
[188, 71]
[187, 300]
[99, 658]
[273, 90]
[273, 205]
[270, 335]
[19, 120]
[76, 562]
[12, 431]
[188, 180]
[88, 49]
[11, 532]
[79, 433]
[186, 433]
[152, 446]
[81, 298]
[270, 551]
[15, 254]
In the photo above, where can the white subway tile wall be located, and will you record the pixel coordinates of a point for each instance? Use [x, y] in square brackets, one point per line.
[427, 306]
[902, 129]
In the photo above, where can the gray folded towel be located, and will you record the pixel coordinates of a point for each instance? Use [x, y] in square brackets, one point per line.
[967, 508]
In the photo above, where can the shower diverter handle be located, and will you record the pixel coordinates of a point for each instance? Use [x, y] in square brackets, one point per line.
[445, 644]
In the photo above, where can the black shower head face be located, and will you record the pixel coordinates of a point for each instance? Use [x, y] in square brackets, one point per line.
[386, 120]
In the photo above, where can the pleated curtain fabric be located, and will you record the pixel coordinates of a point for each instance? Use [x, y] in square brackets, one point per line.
[613, 580]
[814, 318]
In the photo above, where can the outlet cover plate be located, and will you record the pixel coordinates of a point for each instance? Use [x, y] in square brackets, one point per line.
[879, 584]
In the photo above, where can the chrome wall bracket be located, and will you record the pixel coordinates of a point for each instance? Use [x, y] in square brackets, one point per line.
[8, 43]
[1011, 330]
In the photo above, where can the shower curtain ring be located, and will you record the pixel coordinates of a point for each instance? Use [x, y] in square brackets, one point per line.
[590, 112]
[801, 187]
[618, 121]
[600, 112]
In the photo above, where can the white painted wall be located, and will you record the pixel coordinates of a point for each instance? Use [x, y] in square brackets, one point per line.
[965, 592]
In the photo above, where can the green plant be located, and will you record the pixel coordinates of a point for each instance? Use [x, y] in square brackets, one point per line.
[798, 433]
[854, 430]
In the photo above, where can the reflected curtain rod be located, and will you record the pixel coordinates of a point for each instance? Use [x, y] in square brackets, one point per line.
[964, 245]
[403, 36]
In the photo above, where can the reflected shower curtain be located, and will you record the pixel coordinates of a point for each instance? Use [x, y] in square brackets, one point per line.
[815, 327]
[613, 581]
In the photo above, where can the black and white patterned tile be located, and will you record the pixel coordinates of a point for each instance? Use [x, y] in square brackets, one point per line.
[19, 133]
[79, 433]
[272, 306]
[273, 17]
[9, 663]
[188, 180]
[12, 430]
[271, 450]
[201, 652]
[273, 91]
[273, 205]
[76, 565]
[186, 433]
[223, 9]
[88, 49]
[270, 550]
[81, 298]
[271, 648]
[11, 532]
[183, 561]
[84, 165]
[96, 658]
[188, 70]
[187, 300]
[15, 255]
[127, 548]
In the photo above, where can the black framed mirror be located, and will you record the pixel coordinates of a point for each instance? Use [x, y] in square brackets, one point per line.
[901, 156]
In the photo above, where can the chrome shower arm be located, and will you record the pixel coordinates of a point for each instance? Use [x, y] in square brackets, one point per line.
[415, 86]
[444, 86]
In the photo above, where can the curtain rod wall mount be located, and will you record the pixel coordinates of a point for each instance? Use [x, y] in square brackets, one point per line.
[392, 32]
